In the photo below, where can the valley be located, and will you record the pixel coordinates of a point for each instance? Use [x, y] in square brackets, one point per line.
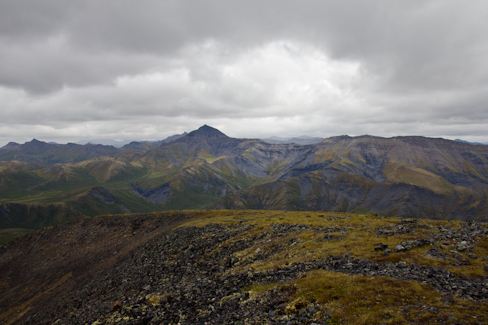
[401, 176]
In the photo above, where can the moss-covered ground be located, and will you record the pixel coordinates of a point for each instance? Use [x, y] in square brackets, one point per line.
[353, 299]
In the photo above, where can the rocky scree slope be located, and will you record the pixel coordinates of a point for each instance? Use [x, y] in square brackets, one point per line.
[247, 267]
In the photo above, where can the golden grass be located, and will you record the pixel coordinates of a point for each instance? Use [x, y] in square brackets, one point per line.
[359, 241]
[321, 157]
[398, 172]
[358, 299]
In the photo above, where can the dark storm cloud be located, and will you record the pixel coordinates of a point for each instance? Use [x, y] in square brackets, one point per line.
[306, 67]
[409, 41]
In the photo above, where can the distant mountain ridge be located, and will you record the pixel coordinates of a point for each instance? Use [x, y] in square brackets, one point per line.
[297, 140]
[147, 145]
[41, 152]
[404, 176]
[122, 143]
[477, 143]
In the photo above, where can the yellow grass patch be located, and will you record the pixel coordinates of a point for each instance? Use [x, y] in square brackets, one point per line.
[359, 240]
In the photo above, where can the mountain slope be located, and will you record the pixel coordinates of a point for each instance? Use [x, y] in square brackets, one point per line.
[408, 176]
[332, 190]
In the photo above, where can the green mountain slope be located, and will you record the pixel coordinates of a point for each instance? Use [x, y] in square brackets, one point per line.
[332, 190]
[405, 176]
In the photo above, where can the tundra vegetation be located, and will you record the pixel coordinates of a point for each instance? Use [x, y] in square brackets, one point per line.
[247, 267]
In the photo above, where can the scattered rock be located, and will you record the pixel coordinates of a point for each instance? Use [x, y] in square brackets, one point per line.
[186, 277]
[399, 248]
[116, 306]
[462, 247]
[461, 260]
[382, 247]
[472, 256]
[448, 300]
[401, 265]
[435, 254]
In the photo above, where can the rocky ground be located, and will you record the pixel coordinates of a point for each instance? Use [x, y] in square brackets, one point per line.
[271, 268]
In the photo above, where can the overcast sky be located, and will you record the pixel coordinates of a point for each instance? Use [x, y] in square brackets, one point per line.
[143, 70]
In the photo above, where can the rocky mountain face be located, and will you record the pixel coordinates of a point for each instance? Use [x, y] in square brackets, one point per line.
[404, 176]
[247, 267]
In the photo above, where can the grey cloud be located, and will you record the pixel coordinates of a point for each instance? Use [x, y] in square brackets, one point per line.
[413, 44]
[394, 67]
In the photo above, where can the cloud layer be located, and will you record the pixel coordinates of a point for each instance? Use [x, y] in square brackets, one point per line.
[72, 71]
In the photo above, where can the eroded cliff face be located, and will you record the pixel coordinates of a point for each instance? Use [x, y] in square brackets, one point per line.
[240, 267]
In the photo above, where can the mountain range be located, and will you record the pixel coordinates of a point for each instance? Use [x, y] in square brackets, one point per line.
[297, 140]
[43, 184]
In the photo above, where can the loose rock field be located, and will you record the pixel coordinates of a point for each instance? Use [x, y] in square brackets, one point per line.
[253, 267]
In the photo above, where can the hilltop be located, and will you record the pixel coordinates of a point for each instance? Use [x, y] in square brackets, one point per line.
[247, 267]
[413, 176]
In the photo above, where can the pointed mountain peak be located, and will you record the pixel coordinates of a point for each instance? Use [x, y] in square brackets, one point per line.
[35, 147]
[207, 132]
[35, 141]
[10, 146]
